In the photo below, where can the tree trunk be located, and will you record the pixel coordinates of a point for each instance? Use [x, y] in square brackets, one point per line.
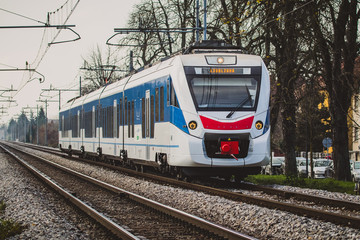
[287, 55]
[289, 129]
[340, 143]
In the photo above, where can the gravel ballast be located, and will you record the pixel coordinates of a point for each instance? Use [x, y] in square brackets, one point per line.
[43, 214]
[253, 220]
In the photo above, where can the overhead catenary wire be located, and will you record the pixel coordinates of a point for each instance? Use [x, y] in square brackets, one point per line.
[23, 16]
[44, 46]
[39, 57]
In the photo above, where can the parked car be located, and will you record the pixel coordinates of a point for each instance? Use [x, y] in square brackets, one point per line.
[301, 167]
[276, 166]
[323, 168]
[299, 160]
[355, 171]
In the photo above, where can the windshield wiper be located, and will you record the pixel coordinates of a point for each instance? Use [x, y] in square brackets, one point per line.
[240, 104]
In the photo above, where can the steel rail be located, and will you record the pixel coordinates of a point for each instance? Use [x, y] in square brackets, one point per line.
[97, 216]
[303, 196]
[178, 214]
[336, 218]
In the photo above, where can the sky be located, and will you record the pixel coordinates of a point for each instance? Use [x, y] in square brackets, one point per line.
[60, 66]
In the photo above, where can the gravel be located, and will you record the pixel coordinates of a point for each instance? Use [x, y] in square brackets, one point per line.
[253, 220]
[40, 210]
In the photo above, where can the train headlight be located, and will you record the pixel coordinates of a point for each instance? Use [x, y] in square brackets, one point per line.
[192, 125]
[220, 60]
[259, 125]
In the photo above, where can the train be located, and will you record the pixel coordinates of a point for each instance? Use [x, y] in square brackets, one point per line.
[201, 112]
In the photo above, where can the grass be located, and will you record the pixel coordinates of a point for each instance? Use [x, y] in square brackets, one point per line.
[2, 206]
[328, 184]
[8, 228]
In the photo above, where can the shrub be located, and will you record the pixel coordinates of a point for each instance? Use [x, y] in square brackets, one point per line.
[2, 206]
[328, 184]
[8, 228]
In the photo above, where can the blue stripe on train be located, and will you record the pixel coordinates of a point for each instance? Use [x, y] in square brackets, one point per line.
[172, 114]
[120, 144]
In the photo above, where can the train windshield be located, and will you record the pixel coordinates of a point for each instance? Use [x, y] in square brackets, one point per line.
[223, 93]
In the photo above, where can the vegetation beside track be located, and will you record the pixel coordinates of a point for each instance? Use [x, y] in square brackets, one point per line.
[8, 228]
[328, 184]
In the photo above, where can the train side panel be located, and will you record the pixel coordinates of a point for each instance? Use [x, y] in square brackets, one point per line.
[156, 113]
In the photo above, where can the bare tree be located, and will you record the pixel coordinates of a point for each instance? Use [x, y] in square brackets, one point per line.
[150, 45]
[335, 24]
[100, 69]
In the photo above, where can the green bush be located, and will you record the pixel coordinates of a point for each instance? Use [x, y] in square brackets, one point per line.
[8, 228]
[328, 184]
[2, 206]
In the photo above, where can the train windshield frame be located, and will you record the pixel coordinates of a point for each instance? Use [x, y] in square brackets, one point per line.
[224, 89]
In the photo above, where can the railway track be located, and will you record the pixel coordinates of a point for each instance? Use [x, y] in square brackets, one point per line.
[126, 215]
[312, 206]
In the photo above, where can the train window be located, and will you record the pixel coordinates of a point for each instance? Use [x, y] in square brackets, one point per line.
[108, 122]
[74, 126]
[162, 104]
[102, 121]
[157, 104]
[105, 122]
[71, 124]
[60, 123]
[132, 119]
[109, 117]
[88, 124]
[152, 125]
[143, 117]
[63, 126]
[93, 118]
[120, 115]
[65, 132]
[174, 101]
[98, 119]
[111, 121]
[115, 119]
[147, 116]
[67, 125]
[81, 119]
[225, 93]
[129, 119]
[118, 119]
[97, 116]
[126, 107]
[168, 92]
[78, 123]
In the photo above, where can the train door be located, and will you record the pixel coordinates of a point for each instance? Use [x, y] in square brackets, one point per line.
[78, 129]
[147, 123]
[93, 127]
[82, 126]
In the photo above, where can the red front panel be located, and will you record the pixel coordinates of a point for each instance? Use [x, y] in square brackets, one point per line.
[216, 125]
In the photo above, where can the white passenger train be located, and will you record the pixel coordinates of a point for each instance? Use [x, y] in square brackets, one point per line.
[204, 112]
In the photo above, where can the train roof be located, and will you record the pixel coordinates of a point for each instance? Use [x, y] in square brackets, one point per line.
[189, 57]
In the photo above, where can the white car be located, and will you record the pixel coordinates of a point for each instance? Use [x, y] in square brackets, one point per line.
[301, 167]
[355, 171]
[323, 168]
[276, 168]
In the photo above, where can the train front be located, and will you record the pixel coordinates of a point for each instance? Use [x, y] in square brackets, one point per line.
[227, 114]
